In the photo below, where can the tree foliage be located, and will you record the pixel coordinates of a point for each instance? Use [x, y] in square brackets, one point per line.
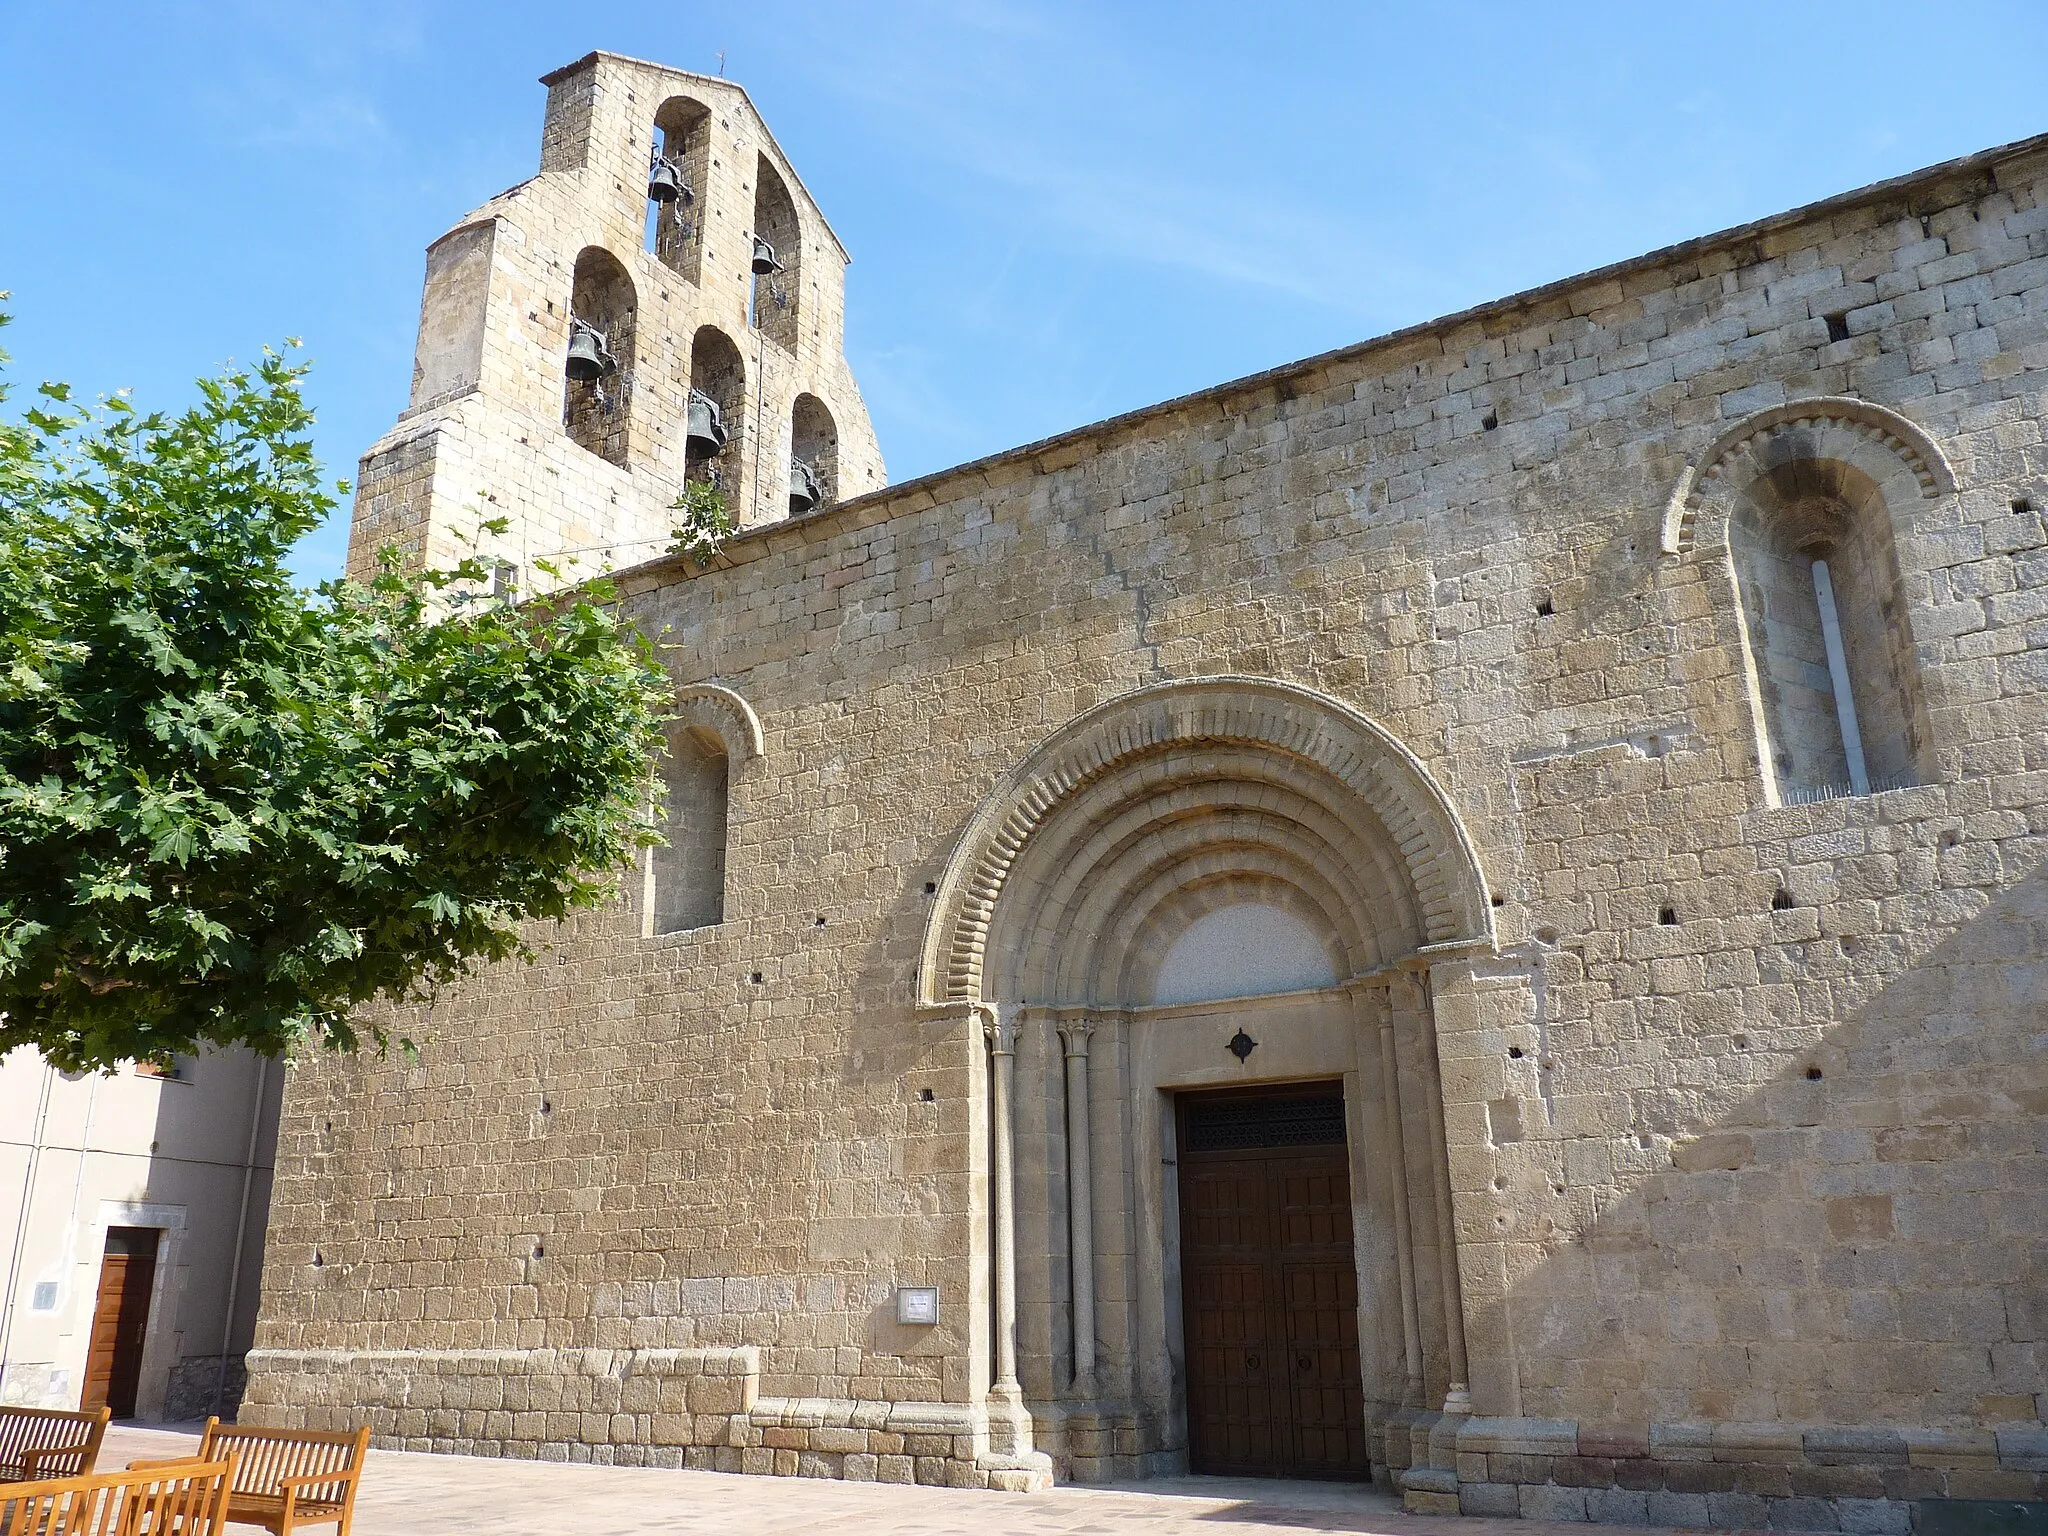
[702, 523]
[232, 810]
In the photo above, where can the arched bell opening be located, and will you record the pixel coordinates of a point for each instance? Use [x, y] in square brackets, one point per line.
[814, 456]
[598, 365]
[716, 413]
[778, 258]
[677, 176]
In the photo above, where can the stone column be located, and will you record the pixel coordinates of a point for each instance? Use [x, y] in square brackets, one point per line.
[1075, 1028]
[1459, 1398]
[1115, 1206]
[1000, 1030]
[1838, 675]
[1404, 1233]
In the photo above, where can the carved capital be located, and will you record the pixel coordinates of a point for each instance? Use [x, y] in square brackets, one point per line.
[1409, 991]
[998, 1028]
[1075, 1029]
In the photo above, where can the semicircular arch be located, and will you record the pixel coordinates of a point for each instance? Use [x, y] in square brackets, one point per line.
[723, 712]
[1082, 872]
[1352, 759]
[1126, 963]
[1892, 451]
[1077, 948]
[1237, 937]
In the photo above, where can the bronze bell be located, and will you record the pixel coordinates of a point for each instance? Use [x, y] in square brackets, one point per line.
[804, 491]
[705, 434]
[765, 264]
[589, 358]
[665, 182]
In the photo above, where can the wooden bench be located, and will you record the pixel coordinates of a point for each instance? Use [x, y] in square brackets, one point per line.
[289, 1478]
[49, 1442]
[188, 1497]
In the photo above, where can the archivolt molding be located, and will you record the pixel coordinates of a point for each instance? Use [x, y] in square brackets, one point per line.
[725, 712]
[1827, 427]
[1125, 847]
[1442, 866]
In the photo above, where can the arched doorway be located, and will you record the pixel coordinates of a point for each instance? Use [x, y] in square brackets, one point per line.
[1225, 885]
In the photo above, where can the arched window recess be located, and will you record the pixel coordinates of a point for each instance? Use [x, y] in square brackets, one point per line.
[1805, 501]
[1838, 677]
[713, 735]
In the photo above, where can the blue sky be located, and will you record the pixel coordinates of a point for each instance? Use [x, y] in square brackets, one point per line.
[1056, 212]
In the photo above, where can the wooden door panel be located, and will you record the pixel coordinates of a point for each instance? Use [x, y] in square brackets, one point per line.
[1228, 1210]
[120, 1320]
[106, 1321]
[1270, 1289]
[1225, 1317]
[1328, 1399]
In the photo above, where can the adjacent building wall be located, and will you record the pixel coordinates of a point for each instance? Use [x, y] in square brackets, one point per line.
[189, 1155]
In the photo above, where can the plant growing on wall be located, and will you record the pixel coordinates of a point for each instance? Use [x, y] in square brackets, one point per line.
[702, 523]
[235, 811]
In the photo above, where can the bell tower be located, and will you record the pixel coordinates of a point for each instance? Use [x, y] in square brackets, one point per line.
[662, 303]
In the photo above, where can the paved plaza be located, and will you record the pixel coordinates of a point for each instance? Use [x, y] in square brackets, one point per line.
[410, 1494]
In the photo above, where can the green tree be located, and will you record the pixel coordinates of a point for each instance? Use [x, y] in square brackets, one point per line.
[235, 811]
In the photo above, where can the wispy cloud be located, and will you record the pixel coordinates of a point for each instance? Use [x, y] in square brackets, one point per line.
[304, 79]
[270, 115]
[981, 118]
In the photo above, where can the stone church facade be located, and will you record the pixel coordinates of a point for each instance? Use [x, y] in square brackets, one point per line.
[1469, 910]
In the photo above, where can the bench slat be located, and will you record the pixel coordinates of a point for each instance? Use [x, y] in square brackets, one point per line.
[50, 1442]
[187, 1496]
[287, 1478]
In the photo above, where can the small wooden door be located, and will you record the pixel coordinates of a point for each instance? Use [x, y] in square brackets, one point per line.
[1270, 1285]
[120, 1320]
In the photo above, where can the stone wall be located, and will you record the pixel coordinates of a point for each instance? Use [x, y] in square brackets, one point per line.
[1742, 1102]
[198, 1387]
[697, 1408]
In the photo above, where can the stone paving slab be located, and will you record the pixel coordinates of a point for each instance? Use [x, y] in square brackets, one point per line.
[412, 1494]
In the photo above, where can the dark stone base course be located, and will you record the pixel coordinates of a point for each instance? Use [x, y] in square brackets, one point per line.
[2025, 1511]
[1875, 1482]
[1664, 1506]
[1979, 1517]
[195, 1389]
[696, 1408]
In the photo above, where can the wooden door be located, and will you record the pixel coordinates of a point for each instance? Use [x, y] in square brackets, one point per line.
[120, 1320]
[1269, 1285]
